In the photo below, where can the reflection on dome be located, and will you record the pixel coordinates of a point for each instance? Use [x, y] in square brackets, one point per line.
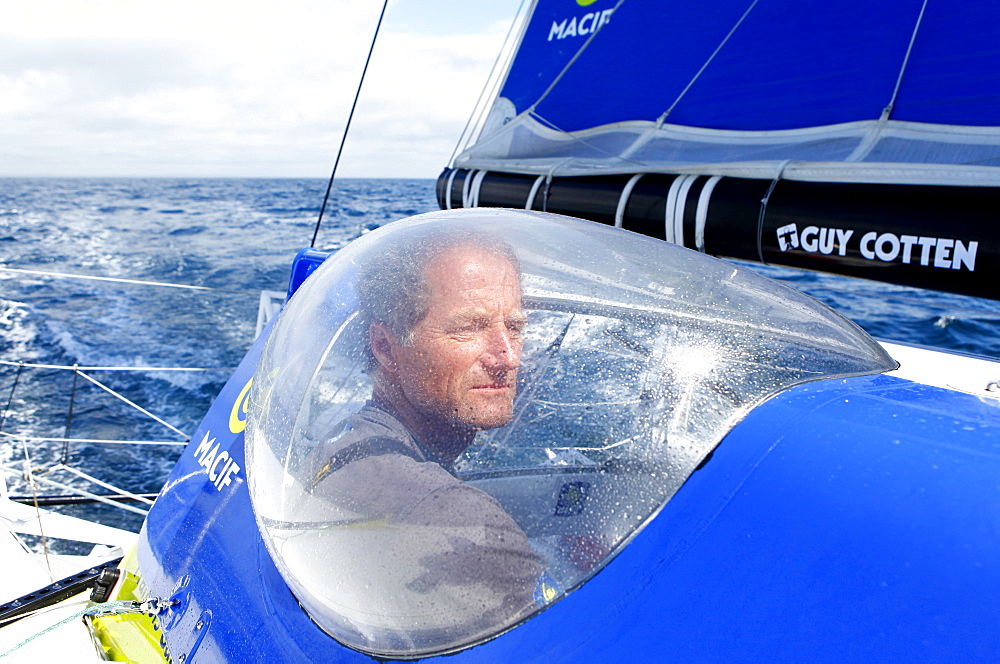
[428, 475]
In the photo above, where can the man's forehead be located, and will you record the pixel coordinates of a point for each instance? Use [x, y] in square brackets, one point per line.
[481, 313]
[464, 254]
[468, 283]
[451, 268]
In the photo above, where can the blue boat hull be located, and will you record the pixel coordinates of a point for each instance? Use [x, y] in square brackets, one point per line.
[843, 520]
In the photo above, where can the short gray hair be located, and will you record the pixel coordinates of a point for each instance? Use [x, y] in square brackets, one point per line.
[392, 287]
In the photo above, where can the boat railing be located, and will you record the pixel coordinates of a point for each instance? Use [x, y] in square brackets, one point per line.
[37, 476]
[76, 485]
[270, 305]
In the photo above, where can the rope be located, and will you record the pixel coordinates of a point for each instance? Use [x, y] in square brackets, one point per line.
[874, 134]
[906, 59]
[571, 62]
[58, 499]
[118, 607]
[67, 440]
[69, 417]
[47, 439]
[133, 404]
[30, 479]
[109, 487]
[29, 365]
[763, 210]
[350, 116]
[10, 397]
[666, 113]
[38, 612]
[76, 491]
[87, 494]
[66, 275]
[593, 146]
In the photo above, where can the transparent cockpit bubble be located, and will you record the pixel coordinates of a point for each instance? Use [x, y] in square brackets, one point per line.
[636, 358]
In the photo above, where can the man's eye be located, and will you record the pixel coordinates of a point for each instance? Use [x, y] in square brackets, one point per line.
[515, 326]
[472, 327]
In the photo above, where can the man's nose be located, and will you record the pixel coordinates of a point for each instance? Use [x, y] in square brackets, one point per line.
[504, 349]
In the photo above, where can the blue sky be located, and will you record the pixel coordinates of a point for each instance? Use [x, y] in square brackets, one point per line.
[229, 88]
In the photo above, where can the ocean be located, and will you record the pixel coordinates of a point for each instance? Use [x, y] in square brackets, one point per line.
[232, 239]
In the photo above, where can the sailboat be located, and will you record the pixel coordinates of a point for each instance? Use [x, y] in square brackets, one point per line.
[711, 466]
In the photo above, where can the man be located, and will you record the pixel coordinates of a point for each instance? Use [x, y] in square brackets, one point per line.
[443, 319]
[452, 370]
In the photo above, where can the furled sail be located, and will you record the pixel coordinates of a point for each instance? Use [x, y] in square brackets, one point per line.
[855, 137]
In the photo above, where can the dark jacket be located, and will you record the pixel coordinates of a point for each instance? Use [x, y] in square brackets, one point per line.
[416, 550]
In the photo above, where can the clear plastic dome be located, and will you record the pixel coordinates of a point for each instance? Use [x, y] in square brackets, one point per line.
[589, 372]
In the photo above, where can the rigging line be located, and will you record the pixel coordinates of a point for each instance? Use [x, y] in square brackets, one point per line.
[582, 141]
[139, 282]
[75, 585]
[572, 60]
[763, 210]
[109, 441]
[602, 448]
[491, 81]
[29, 365]
[133, 404]
[347, 127]
[663, 118]
[906, 59]
[873, 135]
[87, 494]
[32, 482]
[69, 416]
[10, 397]
[102, 484]
[4, 621]
[58, 499]
[587, 404]
[48, 629]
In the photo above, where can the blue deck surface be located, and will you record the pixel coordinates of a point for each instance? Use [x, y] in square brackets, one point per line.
[843, 520]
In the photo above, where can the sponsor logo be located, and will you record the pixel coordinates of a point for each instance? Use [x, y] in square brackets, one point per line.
[788, 237]
[578, 26]
[938, 252]
[221, 467]
[238, 415]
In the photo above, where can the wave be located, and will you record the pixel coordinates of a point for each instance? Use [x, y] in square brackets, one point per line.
[18, 333]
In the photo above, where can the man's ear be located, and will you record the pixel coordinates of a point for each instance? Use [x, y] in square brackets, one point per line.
[383, 343]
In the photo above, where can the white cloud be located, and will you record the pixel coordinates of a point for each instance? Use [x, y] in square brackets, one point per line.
[224, 88]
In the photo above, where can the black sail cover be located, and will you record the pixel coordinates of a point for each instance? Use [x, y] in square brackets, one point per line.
[853, 137]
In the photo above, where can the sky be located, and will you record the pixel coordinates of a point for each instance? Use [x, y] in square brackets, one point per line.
[248, 88]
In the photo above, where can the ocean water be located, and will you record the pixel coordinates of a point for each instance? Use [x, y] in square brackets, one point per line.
[233, 238]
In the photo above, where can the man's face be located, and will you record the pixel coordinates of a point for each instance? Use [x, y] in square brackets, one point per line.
[462, 366]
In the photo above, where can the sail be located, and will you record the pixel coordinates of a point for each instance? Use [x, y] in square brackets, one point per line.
[670, 117]
[747, 84]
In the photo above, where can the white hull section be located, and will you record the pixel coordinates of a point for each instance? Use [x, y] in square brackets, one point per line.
[26, 571]
[975, 375]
